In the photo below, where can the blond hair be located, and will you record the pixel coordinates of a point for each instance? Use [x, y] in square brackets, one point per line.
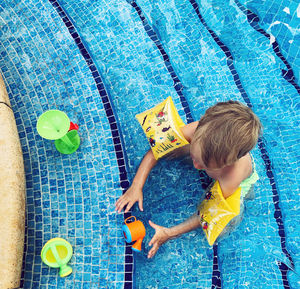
[226, 132]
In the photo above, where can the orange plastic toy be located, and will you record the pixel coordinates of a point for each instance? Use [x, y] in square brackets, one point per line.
[134, 231]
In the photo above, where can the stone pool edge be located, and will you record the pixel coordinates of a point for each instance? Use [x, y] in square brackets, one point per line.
[12, 200]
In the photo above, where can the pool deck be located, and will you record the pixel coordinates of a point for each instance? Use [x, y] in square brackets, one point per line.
[12, 201]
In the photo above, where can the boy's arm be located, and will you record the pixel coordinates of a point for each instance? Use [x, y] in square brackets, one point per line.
[149, 161]
[163, 234]
[188, 130]
[147, 164]
[228, 187]
[190, 224]
[135, 192]
[231, 181]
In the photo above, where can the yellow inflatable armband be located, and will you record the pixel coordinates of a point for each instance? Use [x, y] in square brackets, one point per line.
[215, 212]
[162, 124]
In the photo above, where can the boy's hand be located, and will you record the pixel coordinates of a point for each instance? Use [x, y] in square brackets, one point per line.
[161, 236]
[132, 195]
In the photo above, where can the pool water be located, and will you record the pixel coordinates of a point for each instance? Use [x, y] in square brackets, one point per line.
[103, 62]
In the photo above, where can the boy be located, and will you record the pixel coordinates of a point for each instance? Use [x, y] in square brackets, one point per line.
[219, 144]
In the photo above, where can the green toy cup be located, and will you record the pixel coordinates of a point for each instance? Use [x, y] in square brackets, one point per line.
[54, 125]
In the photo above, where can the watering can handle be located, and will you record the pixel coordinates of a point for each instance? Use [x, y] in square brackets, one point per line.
[129, 218]
[55, 254]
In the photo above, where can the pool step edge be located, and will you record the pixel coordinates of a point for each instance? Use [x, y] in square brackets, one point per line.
[12, 196]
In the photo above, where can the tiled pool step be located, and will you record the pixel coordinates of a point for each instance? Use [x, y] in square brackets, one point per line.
[12, 201]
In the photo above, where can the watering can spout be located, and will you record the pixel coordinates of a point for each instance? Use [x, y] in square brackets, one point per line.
[137, 246]
[65, 270]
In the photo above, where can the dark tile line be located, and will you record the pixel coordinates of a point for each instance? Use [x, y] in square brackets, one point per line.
[216, 279]
[176, 82]
[288, 75]
[120, 155]
[229, 57]
[253, 20]
[284, 269]
[216, 274]
[277, 214]
[261, 145]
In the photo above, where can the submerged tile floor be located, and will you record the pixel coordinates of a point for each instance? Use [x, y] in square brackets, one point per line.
[104, 62]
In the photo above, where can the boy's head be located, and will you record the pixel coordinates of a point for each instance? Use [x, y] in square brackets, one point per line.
[226, 132]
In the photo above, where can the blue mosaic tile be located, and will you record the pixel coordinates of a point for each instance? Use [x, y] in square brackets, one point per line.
[62, 55]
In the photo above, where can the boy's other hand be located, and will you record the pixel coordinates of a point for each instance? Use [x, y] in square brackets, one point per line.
[132, 195]
[160, 237]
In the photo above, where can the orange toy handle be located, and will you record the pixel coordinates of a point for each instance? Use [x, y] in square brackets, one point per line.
[129, 218]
